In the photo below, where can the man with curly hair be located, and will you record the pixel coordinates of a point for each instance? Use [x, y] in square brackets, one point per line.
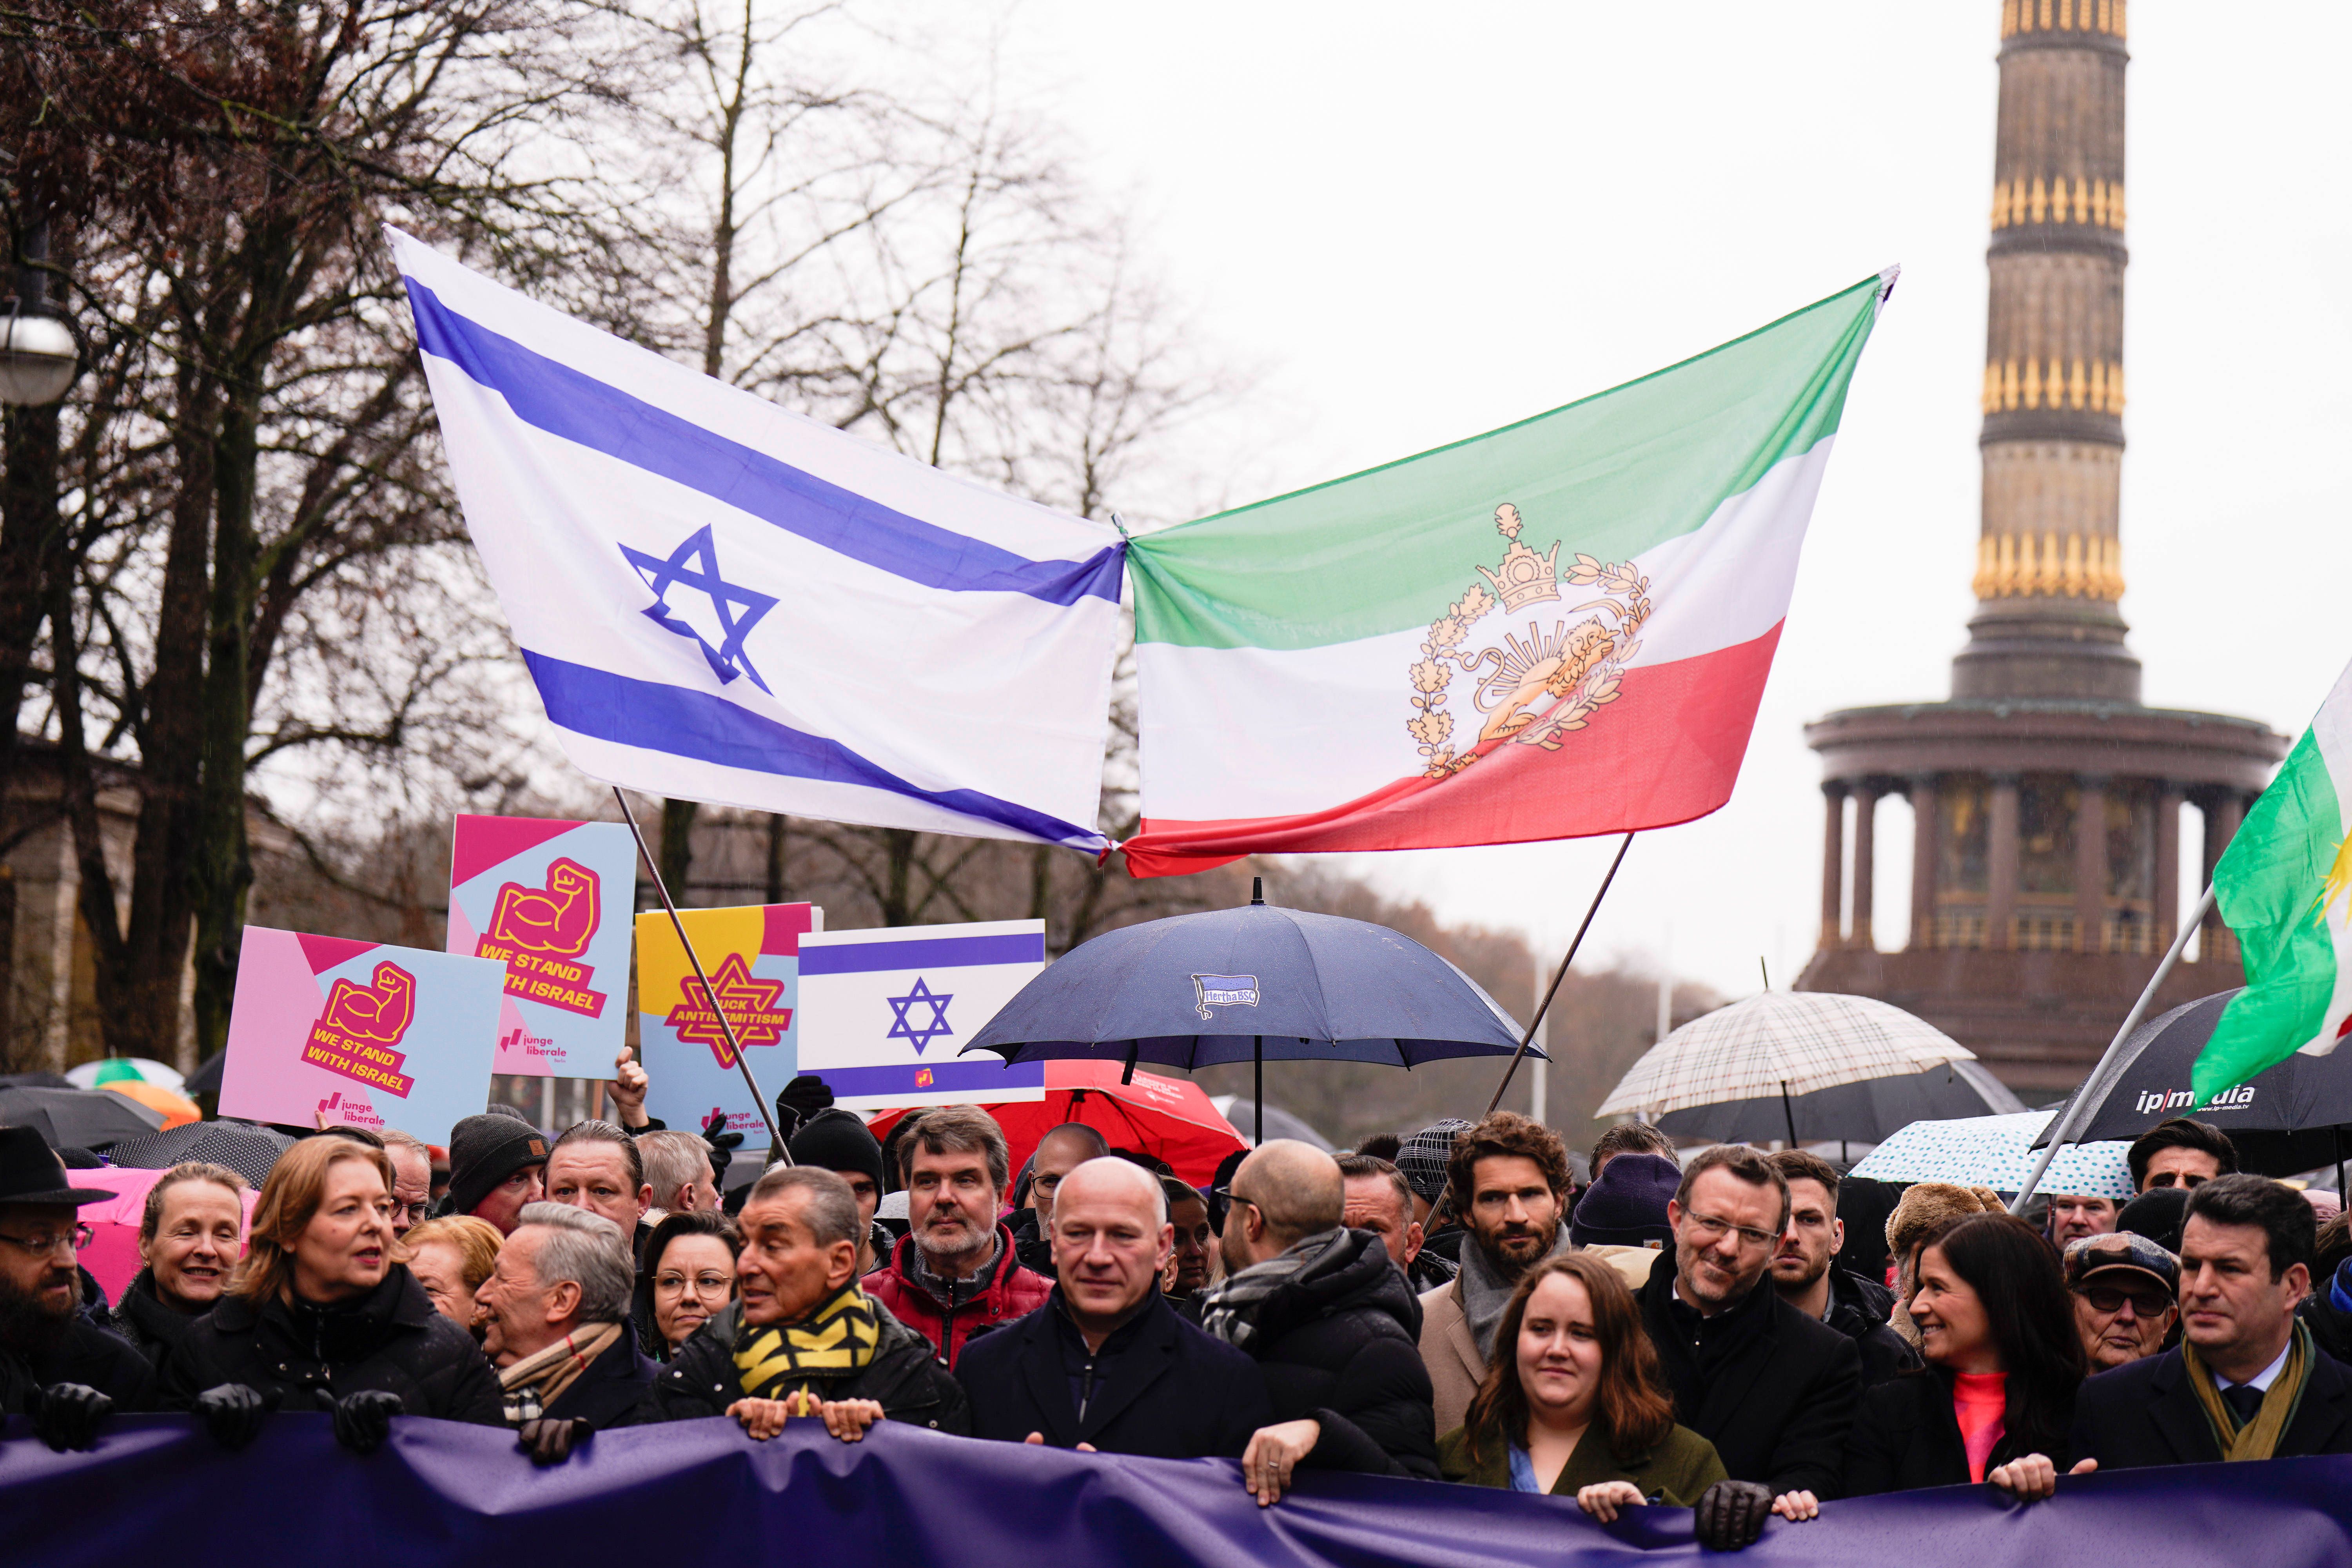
[1509, 1180]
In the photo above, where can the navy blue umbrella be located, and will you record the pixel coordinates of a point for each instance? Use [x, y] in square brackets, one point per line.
[1247, 985]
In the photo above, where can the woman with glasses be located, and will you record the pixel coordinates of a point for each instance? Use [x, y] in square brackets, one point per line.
[2004, 1362]
[191, 1235]
[689, 1277]
[320, 1317]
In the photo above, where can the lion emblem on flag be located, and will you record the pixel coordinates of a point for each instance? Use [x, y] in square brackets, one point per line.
[1532, 691]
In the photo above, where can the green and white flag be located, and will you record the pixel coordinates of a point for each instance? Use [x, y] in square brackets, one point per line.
[2284, 886]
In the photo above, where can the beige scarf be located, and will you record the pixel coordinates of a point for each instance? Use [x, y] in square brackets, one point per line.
[2258, 1438]
[539, 1380]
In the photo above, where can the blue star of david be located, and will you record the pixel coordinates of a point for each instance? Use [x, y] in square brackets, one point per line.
[921, 1035]
[728, 660]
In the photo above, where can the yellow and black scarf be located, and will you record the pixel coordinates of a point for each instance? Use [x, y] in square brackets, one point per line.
[836, 1339]
[2258, 1438]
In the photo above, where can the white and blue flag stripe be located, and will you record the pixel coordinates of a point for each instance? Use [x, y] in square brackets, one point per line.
[724, 601]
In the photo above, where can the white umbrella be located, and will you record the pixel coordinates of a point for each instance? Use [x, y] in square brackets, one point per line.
[143, 1068]
[1996, 1151]
[1781, 1042]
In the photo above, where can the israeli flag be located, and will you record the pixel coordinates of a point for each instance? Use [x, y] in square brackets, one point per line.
[723, 601]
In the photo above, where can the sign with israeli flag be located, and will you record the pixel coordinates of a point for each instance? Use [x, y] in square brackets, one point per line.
[727, 601]
[883, 1013]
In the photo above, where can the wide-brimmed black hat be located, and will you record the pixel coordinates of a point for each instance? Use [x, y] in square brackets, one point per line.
[30, 1174]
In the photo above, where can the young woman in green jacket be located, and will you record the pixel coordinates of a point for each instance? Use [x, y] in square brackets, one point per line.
[1573, 1405]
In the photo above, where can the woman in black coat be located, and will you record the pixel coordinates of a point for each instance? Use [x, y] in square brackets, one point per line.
[1996, 1398]
[320, 1317]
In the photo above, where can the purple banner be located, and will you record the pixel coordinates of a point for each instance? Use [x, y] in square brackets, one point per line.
[156, 1493]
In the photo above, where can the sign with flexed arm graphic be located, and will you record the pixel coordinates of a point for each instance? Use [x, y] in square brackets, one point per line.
[329, 1032]
[551, 901]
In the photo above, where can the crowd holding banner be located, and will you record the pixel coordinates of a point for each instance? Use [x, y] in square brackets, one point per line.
[1704, 1333]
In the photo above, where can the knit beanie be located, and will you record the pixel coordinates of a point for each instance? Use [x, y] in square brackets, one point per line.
[1627, 1206]
[2159, 1213]
[837, 1141]
[485, 1150]
[1422, 1158]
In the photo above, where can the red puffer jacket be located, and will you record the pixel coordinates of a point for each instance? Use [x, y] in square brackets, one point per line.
[1012, 1293]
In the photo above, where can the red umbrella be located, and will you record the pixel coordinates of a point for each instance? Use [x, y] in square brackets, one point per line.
[1168, 1117]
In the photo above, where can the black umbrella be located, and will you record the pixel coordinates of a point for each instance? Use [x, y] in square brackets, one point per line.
[206, 1079]
[1250, 984]
[2292, 1117]
[247, 1150]
[78, 1118]
[1864, 1112]
[36, 1080]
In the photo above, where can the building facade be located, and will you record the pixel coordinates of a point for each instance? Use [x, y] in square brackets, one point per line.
[2046, 798]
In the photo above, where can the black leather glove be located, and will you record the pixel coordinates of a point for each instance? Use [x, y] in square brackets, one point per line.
[66, 1415]
[233, 1413]
[549, 1442]
[800, 1100]
[1731, 1514]
[364, 1420]
[723, 1145]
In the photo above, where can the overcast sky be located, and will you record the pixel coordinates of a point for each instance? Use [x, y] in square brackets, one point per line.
[1423, 222]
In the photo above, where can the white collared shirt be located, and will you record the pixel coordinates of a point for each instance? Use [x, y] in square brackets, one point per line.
[2268, 1374]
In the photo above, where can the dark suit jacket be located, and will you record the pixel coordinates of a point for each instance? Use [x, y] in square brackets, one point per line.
[1166, 1390]
[1771, 1387]
[1906, 1435]
[2146, 1413]
[608, 1388]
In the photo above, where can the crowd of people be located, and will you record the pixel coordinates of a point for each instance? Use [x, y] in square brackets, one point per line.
[1745, 1334]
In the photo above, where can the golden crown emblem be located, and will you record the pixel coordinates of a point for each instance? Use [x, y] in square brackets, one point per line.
[1526, 578]
[1523, 576]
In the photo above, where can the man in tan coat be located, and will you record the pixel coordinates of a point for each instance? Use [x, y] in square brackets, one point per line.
[1508, 1178]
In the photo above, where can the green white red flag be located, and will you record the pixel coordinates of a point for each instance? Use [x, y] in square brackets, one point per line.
[1558, 628]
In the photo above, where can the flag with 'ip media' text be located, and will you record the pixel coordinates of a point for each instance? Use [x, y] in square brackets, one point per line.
[723, 601]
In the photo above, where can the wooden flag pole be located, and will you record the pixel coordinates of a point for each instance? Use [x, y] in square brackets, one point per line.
[710, 992]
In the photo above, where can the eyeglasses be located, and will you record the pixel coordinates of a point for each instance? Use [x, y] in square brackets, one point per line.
[80, 1237]
[702, 1284]
[1229, 1197]
[2175, 1179]
[2108, 1298]
[414, 1214]
[1712, 1230]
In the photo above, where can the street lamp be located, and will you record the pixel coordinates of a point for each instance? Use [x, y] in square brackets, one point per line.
[38, 356]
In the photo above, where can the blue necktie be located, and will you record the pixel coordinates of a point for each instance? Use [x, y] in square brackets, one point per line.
[2243, 1399]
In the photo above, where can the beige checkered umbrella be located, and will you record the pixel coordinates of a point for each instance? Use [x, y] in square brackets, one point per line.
[1779, 1043]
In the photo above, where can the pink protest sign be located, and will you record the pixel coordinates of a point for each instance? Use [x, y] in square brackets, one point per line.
[552, 901]
[357, 1034]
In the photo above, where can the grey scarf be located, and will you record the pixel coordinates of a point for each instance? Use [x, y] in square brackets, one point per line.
[1229, 1311]
[1484, 1293]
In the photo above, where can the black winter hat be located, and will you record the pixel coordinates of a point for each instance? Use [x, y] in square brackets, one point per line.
[485, 1150]
[837, 1141]
[2159, 1214]
[1627, 1206]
